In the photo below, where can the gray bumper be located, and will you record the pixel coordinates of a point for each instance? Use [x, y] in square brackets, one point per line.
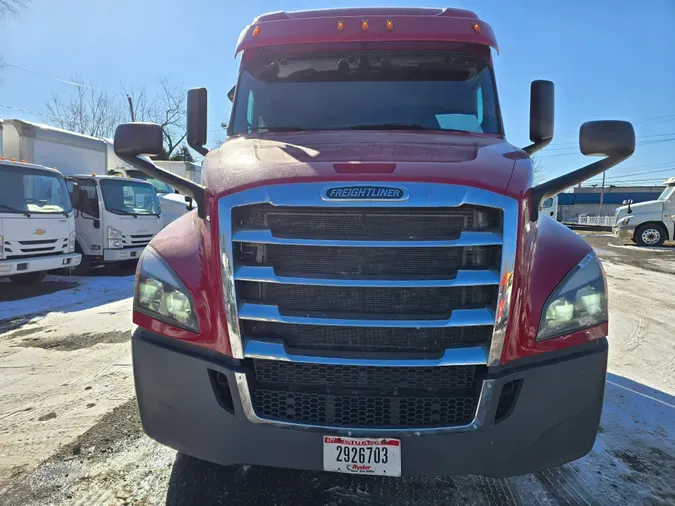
[624, 232]
[554, 419]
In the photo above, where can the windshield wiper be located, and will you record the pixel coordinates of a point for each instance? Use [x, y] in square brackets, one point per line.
[278, 128]
[122, 211]
[401, 125]
[10, 208]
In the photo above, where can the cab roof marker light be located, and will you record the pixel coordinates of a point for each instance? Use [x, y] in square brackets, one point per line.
[340, 25]
[476, 28]
[364, 25]
[256, 31]
[390, 25]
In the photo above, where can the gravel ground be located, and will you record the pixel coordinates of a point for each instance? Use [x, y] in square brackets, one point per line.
[70, 433]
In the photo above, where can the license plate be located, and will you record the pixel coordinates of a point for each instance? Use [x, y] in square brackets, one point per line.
[362, 456]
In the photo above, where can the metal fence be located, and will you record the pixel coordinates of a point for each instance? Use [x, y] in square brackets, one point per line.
[599, 221]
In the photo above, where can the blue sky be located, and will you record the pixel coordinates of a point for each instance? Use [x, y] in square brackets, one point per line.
[609, 59]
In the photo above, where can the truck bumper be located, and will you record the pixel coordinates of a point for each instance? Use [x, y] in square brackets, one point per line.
[624, 232]
[26, 265]
[553, 420]
[120, 255]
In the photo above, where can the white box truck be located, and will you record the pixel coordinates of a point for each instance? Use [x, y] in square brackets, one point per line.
[173, 204]
[114, 217]
[37, 224]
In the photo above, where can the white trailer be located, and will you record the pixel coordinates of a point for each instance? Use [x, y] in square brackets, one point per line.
[114, 219]
[188, 170]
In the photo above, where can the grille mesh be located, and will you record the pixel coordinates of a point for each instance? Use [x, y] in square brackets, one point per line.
[380, 378]
[351, 302]
[366, 223]
[362, 263]
[369, 339]
[368, 411]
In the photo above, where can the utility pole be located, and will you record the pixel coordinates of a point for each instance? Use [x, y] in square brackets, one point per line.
[131, 108]
[602, 193]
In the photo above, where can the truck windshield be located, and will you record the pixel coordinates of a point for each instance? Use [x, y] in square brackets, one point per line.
[27, 190]
[124, 196]
[367, 91]
[159, 186]
[667, 193]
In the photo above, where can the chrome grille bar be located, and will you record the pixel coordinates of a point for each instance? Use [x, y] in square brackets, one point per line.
[463, 278]
[475, 355]
[466, 239]
[458, 318]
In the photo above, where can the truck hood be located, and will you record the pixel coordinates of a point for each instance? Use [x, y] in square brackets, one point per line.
[455, 158]
[651, 206]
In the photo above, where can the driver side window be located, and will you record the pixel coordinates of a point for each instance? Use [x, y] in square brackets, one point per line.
[86, 200]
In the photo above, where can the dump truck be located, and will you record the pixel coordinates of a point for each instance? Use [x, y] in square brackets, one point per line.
[366, 286]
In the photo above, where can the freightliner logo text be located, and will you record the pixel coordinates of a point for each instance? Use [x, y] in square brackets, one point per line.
[365, 193]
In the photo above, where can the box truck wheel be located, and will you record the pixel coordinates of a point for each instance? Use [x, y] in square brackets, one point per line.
[30, 278]
[650, 234]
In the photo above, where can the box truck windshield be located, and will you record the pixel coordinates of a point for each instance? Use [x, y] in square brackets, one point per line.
[160, 187]
[124, 196]
[27, 190]
[398, 90]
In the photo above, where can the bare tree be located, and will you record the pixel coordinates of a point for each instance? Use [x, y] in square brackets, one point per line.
[88, 111]
[538, 170]
[168, 110]
[12, 6]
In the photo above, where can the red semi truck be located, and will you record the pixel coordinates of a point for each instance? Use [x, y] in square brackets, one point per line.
[365, 286]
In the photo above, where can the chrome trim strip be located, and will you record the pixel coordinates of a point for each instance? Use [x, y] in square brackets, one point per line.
[476, 355]
[463, 278]
[458, 318]
[486, 393]
[466, 239]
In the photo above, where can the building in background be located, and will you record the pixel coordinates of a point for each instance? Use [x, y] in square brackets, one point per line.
[585, 201]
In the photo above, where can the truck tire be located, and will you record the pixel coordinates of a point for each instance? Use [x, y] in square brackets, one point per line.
[650, 234]
[30, 278]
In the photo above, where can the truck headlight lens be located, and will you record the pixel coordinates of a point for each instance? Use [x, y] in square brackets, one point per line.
[578, 302]
[625, 221]
[114, 238]
[161, 295]
[71, 242]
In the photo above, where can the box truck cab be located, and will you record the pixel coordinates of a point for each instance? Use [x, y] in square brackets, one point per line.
[648, 223]
[366, 287]
[115, 217]
[37, 225]
[113, 221]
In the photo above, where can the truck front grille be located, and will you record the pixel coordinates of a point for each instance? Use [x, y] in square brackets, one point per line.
[32, 248]
[135, 241]
[336, 284]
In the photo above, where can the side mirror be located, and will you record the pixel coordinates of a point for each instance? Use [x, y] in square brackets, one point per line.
[613, 139]
[607, 138]
[75, 196]
[196, 119]
[134, 139]
[97, 224]
[542, 105]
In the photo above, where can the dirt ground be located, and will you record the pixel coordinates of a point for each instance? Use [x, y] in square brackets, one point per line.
[70, 433]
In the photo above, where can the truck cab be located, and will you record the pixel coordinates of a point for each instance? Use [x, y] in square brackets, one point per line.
[648, 223]
[115, 217]
[366, 286]
[37, 226]
[549, 207]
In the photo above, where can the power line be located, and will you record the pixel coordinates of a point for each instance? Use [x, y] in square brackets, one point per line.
[645, 143]
[73, 83]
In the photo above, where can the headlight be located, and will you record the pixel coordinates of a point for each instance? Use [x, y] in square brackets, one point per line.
[71, 242]
[114, 238]
[625, 221]
[578, 302]
[161, 295]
